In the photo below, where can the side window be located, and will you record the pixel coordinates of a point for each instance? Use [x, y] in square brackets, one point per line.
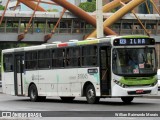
[8, 63]
[58, 58]
[31, 60]
[89, 56]
[44, 59]
[73, 57]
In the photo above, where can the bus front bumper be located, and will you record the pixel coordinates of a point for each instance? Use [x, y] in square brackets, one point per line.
[134, 91]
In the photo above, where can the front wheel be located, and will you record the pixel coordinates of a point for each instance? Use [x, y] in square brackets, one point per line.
[91, 95]
[33, 94]
[127, 100]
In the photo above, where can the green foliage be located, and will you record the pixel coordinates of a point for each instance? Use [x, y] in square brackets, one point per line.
[2, 7]
[113, 10]
[52, 10]
[88, 6]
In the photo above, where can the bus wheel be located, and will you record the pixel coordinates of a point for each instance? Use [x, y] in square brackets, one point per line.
[91, 95]
[33, 93]
[67, 99]
[127, 100]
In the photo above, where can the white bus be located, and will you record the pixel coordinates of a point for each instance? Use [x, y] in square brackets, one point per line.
[115, 66]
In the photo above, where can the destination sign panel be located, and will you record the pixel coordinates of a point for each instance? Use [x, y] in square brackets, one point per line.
[134, 41]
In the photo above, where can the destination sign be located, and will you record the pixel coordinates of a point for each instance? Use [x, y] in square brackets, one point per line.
[134, 41]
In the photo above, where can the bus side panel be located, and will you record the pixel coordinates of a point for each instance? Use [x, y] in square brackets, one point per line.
[90, 75]
[42, 81]
[65, 79]
[76, 89]
[25, 84]
[29, 77]
[75, 83]
[47, 85]
[8, 83]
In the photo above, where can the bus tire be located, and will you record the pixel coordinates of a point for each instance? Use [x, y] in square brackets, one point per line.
[127, 100]
[67, 99]
[91, 95]
[33, 93]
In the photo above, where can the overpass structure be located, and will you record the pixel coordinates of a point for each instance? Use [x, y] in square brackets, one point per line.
[70, 27]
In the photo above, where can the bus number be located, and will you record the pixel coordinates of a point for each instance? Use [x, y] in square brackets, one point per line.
[82, 76]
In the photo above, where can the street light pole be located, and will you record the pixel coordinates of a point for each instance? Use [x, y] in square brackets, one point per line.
[99, 18]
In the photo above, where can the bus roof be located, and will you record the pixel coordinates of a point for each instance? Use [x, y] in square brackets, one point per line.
[72, 43]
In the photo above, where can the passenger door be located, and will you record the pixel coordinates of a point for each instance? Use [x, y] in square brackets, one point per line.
[105, 70]
[18, 73]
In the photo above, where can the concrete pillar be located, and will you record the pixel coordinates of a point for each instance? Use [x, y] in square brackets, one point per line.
[99, 18]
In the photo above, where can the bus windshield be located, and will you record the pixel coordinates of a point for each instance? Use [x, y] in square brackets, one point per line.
[134, 61]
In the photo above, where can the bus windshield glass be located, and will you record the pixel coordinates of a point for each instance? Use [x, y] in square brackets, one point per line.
[134, 61]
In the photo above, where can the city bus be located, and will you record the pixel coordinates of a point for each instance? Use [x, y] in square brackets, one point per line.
[114, 66]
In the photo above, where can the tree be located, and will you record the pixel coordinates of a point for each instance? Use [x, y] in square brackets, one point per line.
[88, 6]
[52, 10]
[2, 7]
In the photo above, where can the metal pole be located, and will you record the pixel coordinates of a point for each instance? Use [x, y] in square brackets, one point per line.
[99, 18]
[119, 14]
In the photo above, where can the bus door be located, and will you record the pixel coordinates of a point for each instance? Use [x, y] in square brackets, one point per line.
[105, 71]
[18, 73]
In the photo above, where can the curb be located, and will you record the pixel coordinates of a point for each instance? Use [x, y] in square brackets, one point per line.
[152, 97]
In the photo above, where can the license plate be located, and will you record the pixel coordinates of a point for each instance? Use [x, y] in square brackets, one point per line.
[139, 91]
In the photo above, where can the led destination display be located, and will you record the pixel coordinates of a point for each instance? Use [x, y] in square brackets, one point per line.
[134, 41]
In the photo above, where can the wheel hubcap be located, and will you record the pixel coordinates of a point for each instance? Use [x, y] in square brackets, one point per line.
[90, 94]
[33, 93]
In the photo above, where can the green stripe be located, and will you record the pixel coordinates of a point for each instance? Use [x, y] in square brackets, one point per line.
[96, 76]
[135, 36]
[57, 76]
[87, 42]
[138, 81]
[2, 67]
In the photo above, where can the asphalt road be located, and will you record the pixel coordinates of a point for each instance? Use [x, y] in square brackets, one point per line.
[78, 106]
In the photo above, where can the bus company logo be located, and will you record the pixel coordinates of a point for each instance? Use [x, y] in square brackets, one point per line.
[35, 77]
[6, 114]
[32, 77]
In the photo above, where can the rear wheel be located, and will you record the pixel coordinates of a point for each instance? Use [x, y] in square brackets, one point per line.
[127, 100]
[91, 95]
[67, 99]
[33, 93]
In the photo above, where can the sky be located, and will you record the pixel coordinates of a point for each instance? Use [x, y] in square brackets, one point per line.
[24, 8]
